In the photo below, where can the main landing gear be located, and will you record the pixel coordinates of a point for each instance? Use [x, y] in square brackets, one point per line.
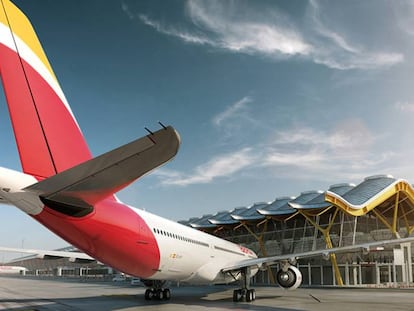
[244, 292]
[156, 290]
[239, 294]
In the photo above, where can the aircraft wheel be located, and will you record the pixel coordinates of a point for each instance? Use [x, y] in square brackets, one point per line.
[160, 294]
[149, 294]
[237, 295]
[167, 294]
[250, 295]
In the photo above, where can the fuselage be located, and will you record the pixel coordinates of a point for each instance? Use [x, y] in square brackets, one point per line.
[132, 240]
[12, 270]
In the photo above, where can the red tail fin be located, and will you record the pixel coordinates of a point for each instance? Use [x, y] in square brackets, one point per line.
[48, 137]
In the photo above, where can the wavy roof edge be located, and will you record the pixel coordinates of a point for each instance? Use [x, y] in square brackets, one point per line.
[374, 201]
[298, 206]
[331, 198]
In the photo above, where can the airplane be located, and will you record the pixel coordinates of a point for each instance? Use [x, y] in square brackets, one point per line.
[73, 194]
[12, 270]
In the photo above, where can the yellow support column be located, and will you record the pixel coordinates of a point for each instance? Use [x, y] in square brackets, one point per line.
[385, 222]
[409, 228]
[259, 239]
[338, 275]
[328, 241]
[395, 218]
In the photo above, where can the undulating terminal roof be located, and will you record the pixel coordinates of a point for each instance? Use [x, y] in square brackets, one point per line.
[224, 218]
[251, 213]
[279, 209]
[202, 222]
[369, 194]
[319, 202]
[380, 194]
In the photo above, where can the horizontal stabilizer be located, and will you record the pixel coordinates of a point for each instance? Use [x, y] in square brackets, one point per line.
[76, 190]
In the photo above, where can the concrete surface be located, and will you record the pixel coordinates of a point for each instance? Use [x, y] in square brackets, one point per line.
[26, 294]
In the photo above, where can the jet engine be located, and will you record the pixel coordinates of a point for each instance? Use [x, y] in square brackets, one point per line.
[289, 278]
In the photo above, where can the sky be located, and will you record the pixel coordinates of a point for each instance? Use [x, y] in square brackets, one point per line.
[270, 98]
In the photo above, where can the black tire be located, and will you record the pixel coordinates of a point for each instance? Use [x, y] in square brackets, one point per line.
[237, 295]
[249, 295]
[167, 294]
[160, 294]
[149, 294]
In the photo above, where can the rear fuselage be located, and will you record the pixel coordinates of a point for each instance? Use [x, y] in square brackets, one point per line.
[131, 240]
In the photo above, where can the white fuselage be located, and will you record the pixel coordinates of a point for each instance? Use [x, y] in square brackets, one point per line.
[191, 255]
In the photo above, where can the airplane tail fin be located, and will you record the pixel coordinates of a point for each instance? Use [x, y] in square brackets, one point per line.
[48, 137]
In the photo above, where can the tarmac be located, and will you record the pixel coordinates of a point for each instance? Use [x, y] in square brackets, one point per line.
[31, 294]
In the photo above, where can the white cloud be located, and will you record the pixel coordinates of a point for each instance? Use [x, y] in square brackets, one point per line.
[335, 51]
[404, 106]
[349, 135]
[238, 28]
[223, 166]
[220, 31]
[239, 117]
[404, 11]
[233, 111]
[125, 8]
[361, 60]
[243, 35]
[274, 158]
[183, 35]
[346, 153]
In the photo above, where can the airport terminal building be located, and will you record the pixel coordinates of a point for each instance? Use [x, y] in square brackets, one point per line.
[378, 208]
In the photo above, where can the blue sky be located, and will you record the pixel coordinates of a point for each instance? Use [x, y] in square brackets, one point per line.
[270, 98]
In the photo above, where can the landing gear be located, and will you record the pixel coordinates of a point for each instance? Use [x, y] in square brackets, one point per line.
[248, 294]
[158, 294]
[156, 290]
[244, 292]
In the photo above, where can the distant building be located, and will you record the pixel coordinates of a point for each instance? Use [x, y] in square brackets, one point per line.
[379, 208]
